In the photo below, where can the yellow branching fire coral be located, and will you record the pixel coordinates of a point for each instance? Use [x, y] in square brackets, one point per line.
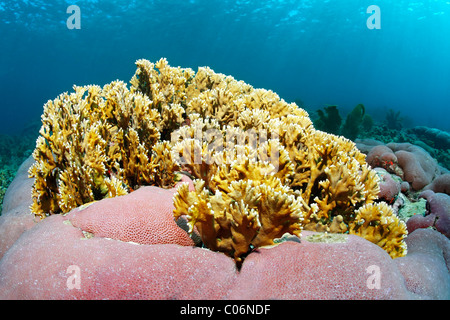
[97, 143]
[260, 168]
[378, 223]
[240, 201]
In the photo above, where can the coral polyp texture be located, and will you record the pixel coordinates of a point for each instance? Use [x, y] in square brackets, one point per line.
[260, 168]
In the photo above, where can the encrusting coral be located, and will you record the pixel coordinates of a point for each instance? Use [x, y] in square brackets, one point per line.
[260, 168]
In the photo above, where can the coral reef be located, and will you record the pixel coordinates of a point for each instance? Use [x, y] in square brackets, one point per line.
[432, 140]
[261, 175]
[421, 194]
[260, 168]
[359, 124]
[409, 162]
[56, 260]
[436, 216]
[96, 143]
[36, 267]
[426, 266]
[434, 137]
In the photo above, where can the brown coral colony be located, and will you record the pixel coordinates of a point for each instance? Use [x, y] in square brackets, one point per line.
[260, 168]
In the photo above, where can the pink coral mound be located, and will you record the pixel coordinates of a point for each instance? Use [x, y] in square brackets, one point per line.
[129, 247]
[441, 184]
[389, 188]
[411, 163]
[74, 267]
[437, 215]
[12, 225]
[143, 216]
[16, 216]
[354, 269]
[383, 157]
[419, 168]
[379, 155]
[53, 260]
[426, 266]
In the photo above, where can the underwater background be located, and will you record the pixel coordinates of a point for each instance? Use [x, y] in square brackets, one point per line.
[316, 53]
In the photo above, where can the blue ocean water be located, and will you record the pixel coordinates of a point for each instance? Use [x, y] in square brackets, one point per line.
[321, 52]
